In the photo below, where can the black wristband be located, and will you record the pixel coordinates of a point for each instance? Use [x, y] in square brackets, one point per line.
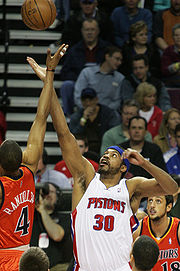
[50, 70]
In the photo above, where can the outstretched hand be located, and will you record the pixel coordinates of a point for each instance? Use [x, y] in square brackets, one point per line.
[39, 71]
[51, 62]
[134, 157]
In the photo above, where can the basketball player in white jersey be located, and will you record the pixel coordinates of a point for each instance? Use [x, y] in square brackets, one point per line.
[103, 203]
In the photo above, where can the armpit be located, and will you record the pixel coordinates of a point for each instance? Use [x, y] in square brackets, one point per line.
[135, 202]
[82, 182]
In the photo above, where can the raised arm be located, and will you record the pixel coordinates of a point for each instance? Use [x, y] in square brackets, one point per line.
[161, 184]
[35, 142]
[80, 168]
[69, 147]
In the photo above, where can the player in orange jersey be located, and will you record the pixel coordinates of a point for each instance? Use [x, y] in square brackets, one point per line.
[164, 230]
[17, 168]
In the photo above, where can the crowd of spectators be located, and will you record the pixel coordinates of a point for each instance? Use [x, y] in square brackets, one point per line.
[122, 50]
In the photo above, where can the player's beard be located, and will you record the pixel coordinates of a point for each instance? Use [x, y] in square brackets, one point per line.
[109, 172]
[157, 218]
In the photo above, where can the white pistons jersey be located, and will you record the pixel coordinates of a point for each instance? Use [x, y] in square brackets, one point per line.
[102, 228]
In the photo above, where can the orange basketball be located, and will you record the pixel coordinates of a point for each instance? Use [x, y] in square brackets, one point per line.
[38, 14]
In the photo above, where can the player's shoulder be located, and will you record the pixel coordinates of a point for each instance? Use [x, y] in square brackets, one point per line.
[176, 220]
[90, 69]
[134, 185]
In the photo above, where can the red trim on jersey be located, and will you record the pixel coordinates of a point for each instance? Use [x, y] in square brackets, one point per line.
[73, 219]
[130, 265]
[134, 223]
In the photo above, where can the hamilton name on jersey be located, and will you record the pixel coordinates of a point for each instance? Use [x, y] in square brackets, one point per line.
[168, 254]
[106, 203]
[25, 196]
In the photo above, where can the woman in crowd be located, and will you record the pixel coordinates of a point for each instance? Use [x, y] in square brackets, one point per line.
[166, 138]
[146, 97]
[137, 44]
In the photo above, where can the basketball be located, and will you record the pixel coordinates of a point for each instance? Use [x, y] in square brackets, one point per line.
[38, 14]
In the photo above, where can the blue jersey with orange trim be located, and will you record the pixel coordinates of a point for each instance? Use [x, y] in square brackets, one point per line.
[17, 209]
[169, 245]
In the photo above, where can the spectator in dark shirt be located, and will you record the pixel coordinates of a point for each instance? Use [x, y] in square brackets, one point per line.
[88, 51]
[141, 74]
[138, 44]
[170, 63]
[163, 23]
[104, 78]
[93, 119]
[124, 17]
[151, 151]
[137, 130]
[51, 229]
[88, 9]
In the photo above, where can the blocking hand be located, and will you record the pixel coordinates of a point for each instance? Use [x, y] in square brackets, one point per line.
[52, 61]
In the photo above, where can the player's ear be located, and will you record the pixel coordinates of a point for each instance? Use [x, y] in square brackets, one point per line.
[123, 168]
[131, 260]
[169, 207]
[2, 172]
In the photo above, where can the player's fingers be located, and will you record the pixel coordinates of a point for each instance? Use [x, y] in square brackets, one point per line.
[126, 154]
[62, 50]
[32, 65]
[48, 54]
[31, 62]
[30, 58]
[58, 52]
[61, 47]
